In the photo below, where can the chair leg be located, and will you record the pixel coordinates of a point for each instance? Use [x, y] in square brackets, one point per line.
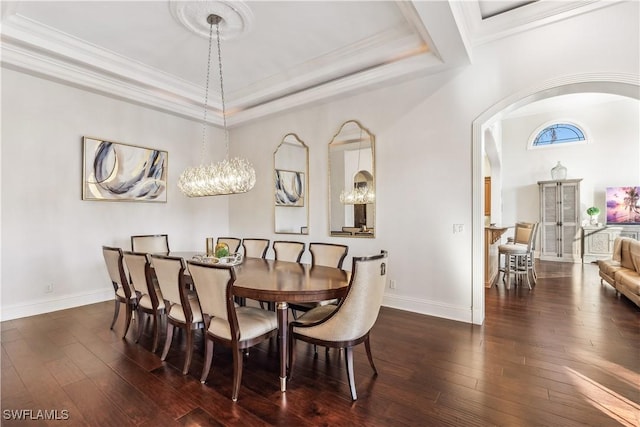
[167, 341]
[116, 311]
[208, 358]
[349, 360]
[156, 332]
[141, 322]
[367, 346]
[189, 350]
[127, 320]
[237, 373]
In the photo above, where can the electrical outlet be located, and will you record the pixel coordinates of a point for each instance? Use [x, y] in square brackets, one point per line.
[392, 284]
[49, 288]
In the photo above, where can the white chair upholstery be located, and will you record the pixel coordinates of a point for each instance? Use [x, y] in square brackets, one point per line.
[150, 301]
[182, 306]
[328, 255]
[150, 243]
[288, 251]
[255, 248]
[123, 291]
[350, 323]
[232, 242]
[225, 323]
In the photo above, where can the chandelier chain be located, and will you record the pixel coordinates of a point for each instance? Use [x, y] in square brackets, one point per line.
[224, 111]
[206, 94]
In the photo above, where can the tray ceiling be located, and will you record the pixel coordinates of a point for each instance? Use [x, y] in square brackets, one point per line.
[287, 54]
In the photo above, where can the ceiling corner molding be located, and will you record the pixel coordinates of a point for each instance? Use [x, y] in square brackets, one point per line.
[527, 17]
[448, 37]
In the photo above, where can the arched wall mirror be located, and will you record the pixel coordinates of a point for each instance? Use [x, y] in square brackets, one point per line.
[352, 207]
[291, 176]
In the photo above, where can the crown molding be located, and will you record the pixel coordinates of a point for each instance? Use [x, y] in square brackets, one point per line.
[414, 66]
[527, 17]
[31, 47]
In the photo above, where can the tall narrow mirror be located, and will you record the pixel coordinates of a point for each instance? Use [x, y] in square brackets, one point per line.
[352, 207]
[291, 176]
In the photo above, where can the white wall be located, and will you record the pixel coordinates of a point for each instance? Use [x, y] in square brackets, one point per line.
[423, 165]
[610, 158]
[51, 236]
[423, 148]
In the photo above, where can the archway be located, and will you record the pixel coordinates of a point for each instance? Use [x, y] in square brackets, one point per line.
[617, 84]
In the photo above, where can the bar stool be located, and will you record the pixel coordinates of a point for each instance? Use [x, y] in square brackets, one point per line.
[517, 257]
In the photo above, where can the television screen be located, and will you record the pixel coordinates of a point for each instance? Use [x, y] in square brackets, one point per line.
[623, 205]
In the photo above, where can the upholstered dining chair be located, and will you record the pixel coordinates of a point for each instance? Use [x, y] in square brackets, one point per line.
[288, 250]
[324, 254]
[150, 243]
[182, 306]
[124, 292]
[255, 248]
[225, 323]
[150, 300]
[516, 256]
[351, 322]
[232, 242]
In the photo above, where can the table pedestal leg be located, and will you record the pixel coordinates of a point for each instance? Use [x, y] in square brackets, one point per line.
[282, 309]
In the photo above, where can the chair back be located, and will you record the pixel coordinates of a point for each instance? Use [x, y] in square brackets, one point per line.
[255, 248]
[213, 283]
[358, 311]
[523, 233]
[138, 266]
[169, 271]
[150, 243]
[534, 236]
[115, 268]
[288, 251]
[232, 242]
[328, 254]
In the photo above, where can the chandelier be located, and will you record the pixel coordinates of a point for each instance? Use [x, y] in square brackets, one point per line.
[230, 176]
[361, 193]
[357, 196]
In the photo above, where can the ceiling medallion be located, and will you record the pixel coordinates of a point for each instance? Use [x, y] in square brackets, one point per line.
[237, 18]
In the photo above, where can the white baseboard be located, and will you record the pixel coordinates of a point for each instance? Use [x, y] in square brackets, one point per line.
[430, 308]
[414, 305]
[60, 303]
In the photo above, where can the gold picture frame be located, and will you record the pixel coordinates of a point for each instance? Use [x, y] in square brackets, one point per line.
[113, 171]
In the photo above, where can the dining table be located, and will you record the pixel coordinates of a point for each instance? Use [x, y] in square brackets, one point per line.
[283, 282]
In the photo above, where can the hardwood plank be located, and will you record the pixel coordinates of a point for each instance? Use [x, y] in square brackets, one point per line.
[169, 399]
[95, 406]
[564, 353]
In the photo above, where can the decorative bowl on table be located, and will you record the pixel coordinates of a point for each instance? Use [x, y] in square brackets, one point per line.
[231, 259]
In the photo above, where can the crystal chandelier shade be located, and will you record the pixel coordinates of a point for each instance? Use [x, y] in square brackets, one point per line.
[230, 176]
[226, 177]
[360, 194]
[357, 196]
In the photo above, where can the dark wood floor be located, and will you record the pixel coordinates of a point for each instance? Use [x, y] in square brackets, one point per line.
[563, 354]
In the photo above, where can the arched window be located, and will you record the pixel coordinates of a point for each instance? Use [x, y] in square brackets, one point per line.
[558, 133]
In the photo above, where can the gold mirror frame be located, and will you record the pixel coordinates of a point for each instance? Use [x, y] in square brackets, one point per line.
[351, 165]
[291, 186]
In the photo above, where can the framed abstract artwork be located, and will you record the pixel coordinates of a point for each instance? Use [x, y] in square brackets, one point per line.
[114, 171]
[289, 188]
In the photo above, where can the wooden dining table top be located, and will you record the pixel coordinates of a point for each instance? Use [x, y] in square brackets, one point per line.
[273, 280]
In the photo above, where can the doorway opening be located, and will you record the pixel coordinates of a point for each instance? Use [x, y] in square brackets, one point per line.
[617, 84]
